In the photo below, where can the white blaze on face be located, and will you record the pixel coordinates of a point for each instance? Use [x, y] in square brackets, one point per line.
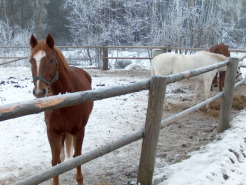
[38, 57]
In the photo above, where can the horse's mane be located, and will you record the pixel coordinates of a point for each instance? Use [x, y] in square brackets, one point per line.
[60, 57]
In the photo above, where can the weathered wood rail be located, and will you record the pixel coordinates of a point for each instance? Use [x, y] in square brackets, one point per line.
[156, 86]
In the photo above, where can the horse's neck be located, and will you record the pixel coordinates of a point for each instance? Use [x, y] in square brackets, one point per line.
[64, 81]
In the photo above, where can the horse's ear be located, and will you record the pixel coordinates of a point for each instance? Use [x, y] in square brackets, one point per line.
[33, 41]
[50, 41]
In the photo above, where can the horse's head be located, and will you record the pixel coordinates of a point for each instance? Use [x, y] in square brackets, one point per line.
[220, 49]
[44, 64]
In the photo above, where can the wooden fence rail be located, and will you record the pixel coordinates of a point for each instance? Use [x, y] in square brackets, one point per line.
[156, 86]
[166, 122]
[53, 102]
[82, 159]
[14, 110]
[18, 59]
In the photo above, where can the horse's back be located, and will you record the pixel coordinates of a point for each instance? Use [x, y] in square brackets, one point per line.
[169, 63]
[216, 57]
[163, 64]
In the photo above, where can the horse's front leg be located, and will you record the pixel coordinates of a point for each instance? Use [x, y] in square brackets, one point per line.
[197, 92]
[78, 141]
[207, 85]
[55, 141]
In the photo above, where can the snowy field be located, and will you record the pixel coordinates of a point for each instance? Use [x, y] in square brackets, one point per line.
[24, 148]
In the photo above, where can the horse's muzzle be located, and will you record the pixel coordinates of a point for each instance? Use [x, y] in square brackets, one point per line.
[39, 93]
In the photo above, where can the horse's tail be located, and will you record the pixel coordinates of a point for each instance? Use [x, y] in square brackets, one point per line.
[69, 144]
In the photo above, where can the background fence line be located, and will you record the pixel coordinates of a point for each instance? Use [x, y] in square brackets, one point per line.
[104, 50]
[124, 47]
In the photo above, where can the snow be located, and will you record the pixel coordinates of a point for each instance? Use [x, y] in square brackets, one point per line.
[220, 162]
[24, 145]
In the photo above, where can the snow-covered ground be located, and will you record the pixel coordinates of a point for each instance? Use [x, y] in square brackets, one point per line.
[220, 162]
[24, 146]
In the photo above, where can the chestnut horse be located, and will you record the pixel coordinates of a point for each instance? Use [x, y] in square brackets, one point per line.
[223, 50]
[52, 76]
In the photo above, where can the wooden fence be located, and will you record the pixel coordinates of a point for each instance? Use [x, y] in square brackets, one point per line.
[102, 56]
[156, 86]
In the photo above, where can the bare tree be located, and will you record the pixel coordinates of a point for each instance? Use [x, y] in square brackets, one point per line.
[192, 23]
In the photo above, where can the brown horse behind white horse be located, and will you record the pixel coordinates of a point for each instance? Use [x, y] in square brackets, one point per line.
[170, 63]
[223, 50]
[52, 76]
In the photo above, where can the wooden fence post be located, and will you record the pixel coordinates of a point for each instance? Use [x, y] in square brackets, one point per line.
[105, 58]
[227, 97]
[152, 128]
[156, 52]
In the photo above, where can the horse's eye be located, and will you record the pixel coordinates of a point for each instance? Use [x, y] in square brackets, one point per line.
[52, 61]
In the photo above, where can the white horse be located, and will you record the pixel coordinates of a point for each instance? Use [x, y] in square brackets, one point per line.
[170, 63]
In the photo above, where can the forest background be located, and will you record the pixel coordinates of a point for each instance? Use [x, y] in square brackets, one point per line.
[189, 23]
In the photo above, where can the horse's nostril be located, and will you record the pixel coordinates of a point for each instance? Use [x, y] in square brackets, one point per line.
[38, 93]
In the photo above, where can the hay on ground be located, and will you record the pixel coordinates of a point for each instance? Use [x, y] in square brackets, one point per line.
[239, 102]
